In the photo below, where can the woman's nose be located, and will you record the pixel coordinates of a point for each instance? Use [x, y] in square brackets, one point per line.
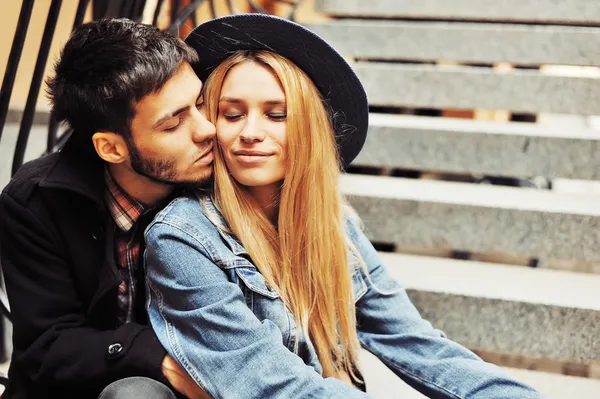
[252, 131]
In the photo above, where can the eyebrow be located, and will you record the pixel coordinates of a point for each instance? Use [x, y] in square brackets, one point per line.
[168, 116]
[238, 101]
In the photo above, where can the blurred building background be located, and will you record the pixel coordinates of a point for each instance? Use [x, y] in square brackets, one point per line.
[479, 179]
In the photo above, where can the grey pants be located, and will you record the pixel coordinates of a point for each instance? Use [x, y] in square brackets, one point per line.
[137, 388]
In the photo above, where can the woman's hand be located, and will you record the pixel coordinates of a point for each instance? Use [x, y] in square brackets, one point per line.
[181, 381]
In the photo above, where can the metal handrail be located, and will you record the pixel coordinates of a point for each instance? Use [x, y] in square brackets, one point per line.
[13, 60]
[34, 89]
[183, 16]
[157, 12]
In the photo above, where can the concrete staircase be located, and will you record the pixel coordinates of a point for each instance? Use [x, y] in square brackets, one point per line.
[465, 251]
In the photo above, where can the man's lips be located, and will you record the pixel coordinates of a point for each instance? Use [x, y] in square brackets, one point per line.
[207, 157]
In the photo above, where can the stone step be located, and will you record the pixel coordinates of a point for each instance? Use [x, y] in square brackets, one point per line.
[465, 42]
[495, 281]
[548, 319]
[585, 12]
[480, 147]
[476, 218]
[464, 87]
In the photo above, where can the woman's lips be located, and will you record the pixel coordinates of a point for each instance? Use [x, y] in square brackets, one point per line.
[252, 157]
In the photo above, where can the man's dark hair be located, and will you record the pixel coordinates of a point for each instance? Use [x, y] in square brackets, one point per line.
[106, 67]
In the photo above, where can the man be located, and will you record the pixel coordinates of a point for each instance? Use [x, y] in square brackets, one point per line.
[72, 221]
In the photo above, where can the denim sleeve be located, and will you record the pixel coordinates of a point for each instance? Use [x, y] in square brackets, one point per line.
[390, 327]
[204, 323]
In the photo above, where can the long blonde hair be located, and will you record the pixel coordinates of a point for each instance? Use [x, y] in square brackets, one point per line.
[305, 256]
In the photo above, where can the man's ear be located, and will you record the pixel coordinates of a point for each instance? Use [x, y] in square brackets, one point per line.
[111, 147]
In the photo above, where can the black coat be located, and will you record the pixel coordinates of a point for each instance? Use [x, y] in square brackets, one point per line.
[57, 254]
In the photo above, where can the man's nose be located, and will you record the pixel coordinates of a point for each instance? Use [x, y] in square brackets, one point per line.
[203, 128]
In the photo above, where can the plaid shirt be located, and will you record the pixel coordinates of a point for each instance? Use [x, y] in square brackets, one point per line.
[125, 212]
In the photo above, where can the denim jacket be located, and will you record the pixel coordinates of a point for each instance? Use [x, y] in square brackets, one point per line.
[213, 312]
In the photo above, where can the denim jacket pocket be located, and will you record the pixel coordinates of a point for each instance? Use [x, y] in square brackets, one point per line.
[255, 281]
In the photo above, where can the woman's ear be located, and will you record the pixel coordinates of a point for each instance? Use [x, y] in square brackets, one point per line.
[111, 147]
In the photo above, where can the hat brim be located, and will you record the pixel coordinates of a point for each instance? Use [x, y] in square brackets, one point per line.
[339, 86]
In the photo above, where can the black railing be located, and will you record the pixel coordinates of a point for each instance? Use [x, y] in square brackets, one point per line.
[13, 60]
[132, 9]
[36, 83]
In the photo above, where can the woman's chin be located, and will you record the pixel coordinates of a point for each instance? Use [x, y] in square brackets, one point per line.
[256, 181]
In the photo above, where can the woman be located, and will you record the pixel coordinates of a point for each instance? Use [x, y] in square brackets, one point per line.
[267, 287]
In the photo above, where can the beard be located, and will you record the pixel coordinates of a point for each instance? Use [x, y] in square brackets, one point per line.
[163, 171]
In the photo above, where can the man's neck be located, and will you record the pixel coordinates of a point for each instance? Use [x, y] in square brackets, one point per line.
[140, 188]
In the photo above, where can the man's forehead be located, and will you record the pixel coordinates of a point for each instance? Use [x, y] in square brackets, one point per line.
[177, 92]
[183, 83]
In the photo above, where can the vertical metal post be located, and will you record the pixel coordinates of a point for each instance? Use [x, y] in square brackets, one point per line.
[36, 83]
[157, 12]
[52, 123]
[183, 16]
[13, 60]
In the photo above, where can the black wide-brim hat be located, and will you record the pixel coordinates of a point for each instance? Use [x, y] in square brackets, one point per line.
[339, 86]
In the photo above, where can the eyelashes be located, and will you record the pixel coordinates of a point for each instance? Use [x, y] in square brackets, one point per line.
[199, 105]
[277, 117]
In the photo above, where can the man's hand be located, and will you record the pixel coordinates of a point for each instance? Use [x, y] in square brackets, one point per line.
[180, 379]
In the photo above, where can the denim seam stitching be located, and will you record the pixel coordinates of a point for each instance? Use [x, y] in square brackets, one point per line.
[196, 237]
[174, 342]
[386, 359]
[212, 251]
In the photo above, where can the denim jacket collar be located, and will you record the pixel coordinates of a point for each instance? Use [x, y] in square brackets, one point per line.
[232, 242]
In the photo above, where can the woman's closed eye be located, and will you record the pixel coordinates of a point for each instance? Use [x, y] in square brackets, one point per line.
[277, 116]
[232, 116]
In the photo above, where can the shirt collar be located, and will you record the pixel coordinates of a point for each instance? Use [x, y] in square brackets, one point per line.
[124, 209]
